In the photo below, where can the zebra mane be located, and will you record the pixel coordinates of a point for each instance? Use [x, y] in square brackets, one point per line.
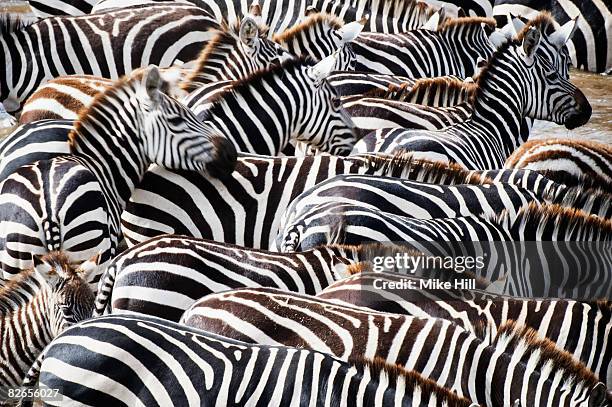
[404, 165]
[588, 227]
[227, 35]
[259, 75]
[544, 22]
[451, 23]
[129, 82]
[514, 337]
[311, 21]
[579, 181]
[486, 73]
[378, 367]
[18, 290]
[10, 23]
[408, 92]
[580, 197]
[403, 6]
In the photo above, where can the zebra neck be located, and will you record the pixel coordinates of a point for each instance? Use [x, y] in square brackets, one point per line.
[13, 60]
[109, 142]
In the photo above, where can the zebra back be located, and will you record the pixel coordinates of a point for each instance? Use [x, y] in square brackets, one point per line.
[471, 309]
[211, 368]
[272, 317]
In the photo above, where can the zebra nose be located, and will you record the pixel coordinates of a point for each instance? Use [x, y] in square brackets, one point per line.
[224, 160]
[581, 114]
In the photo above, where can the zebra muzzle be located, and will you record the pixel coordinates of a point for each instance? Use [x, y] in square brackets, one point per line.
[581, 113]
[225, 156]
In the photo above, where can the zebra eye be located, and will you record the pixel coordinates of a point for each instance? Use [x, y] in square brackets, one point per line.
[175, 120]
[336, 103]
[552, 76]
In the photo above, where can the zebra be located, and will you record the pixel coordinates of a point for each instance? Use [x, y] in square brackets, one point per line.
[590, 48]
[320, 35]
[577, 158]
[7, 123]
[36, 306]
[452, 49]
[492, 138]
[244, 44]
[276, 105]
[182, 365]
[116, 43]
[186, 269]
[49, 8]
[259, 190]
[386, 15]
[471, 309]
[74, 202]
[273, 317]
[571, 247]
[357, 83]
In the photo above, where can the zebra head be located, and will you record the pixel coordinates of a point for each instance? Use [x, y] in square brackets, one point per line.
[174, 137]
[71, 299]
[328, 126]
[549, 96]
[255, 44]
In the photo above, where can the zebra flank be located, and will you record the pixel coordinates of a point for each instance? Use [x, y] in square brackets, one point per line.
[272, 317]
[473, 309]
[140, 30]
[566, 158]
[36, 305]
[266, 375]
[49, 8]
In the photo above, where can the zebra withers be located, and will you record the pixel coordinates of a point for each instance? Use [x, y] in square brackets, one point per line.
[566, 157]
[172, 364]
[52, 47]
[36, 305]
[489, 137]
[273, 317]
[74, 202]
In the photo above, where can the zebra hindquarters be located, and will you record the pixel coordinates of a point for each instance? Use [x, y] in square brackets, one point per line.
[49, 206]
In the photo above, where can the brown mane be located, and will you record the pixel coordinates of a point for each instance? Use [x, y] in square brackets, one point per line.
[544, 22]
[549, 351]
[394, 372]
[311, 21]
[451, 23]
[404, 165]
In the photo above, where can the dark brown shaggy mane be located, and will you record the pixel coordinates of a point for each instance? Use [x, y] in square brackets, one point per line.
[312, 20]
[581, 181]
[403, 165]
[579, 196]
[378, 366]
[450, 23]
[544, 22]
[227, 35]
[594, 227]
[561, 359]
[281, 69]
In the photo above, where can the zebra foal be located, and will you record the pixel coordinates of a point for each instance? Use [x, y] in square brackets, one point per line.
[36, 305]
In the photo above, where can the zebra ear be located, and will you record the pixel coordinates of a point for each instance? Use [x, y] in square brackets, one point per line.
[517, 24]
[434, 21]
[88, 267]
[597, 398]
[531, 41]
[350, 31]
[43, 268]
[560, 37]
[319, 72]
[249, 31]
[153, 82]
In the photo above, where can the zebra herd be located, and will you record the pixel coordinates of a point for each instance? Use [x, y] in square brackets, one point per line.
[198, 200]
